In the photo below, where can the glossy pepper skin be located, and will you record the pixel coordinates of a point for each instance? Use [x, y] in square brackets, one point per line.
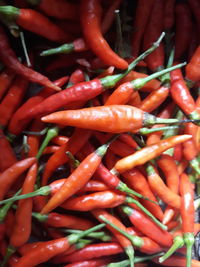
[90, 21]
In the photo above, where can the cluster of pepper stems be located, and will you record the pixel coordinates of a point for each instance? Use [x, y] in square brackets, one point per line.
[105, 171]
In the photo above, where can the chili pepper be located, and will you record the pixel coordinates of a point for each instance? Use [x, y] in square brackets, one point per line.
[187, 215]
[135, 180]
[16, 125]
[143, 11]
[10, 60]
[91, 251]
[85, 90]
[6, 78]
[7, 155]
[195, 7]
[74, 183]
[135, 100]
[12, 99]
[149, 152]
[9, 176]
[59, 9]
[124, 242]
[22, 228]
[123, 93]
[113, 118]
[94, 186]
[146, 226]
[182, 38]
[193, 43]
[192, 68]
[76, 77]
[46, 250]
[32, 20]
[89, 263]
[183, 99]
[169, 14]
[76, 141]
[60, 140]
[50, 150]
[152, 31]
[110, 159]
[158, 187]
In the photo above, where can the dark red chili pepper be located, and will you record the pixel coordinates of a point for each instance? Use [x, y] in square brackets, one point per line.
[23, 216]
[169, 14]
[10, 175]
[183, 20]
[32, 20]
[195, 7]
[12, 99]
[60, 9]
[7, 155]
[187, 214]
[6, 78]
[152, 31]
[8, 57]
[142, 13]
[77, 179]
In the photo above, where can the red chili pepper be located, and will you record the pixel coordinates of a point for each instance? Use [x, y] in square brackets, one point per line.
[57, 220]
[90, 14]
[6, 78]
[10, 60]
[142, 13]
[169, 15]
[135, 100]
[60, 9]
[50, 150]
[90, 263]
[10, 175]
[187, 214]
[149, 152]
[76, 141]
[192, 68]
[23, 216]
[7, 155]
[60, 140]
[77, 179]
[94, 186]
[182, 38]
[152, 31]
[195, 7]
[32, 20]
[12, 99]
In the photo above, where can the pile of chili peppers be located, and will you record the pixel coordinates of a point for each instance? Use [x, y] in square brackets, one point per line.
[99, 133]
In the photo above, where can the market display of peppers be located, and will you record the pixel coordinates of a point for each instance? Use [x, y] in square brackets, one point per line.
[99, 133]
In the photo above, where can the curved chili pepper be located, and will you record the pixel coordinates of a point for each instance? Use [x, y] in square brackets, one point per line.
[103, 200]
[182, 38]
[113, 118]
[143, 11]
[158, 187]
[10, 60]
[152, 31]
[91, 251]
[187, 214]
[10, 175]
[135, 100]
[7, 155]
[46, 250]
[124, 242]
[149, 152]
[146, 226]
[138, 182]
[57, 220]
[60, 9]
[77, 179]
[192, 68]
[22, 228]
[12, 99]
[6, 78]
[182, 97]
[32, 20]
[169, 15]
[76, 141]
[16, 125]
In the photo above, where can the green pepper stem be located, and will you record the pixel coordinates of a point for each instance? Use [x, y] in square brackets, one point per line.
[97, 235]
[189, 242]
[177, 243]
[51, 133]
[194, 163]
[145, 131]
[63, 49]
[44, 131]
[43, 191]
[135, 240]
[149, 214]
[75, 162]
[130, 253]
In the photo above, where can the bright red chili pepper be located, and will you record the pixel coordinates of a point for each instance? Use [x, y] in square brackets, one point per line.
[6, 78]
[10, 175]
[183, 20]
[192, 68]
[8, 57]
[23, 216]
